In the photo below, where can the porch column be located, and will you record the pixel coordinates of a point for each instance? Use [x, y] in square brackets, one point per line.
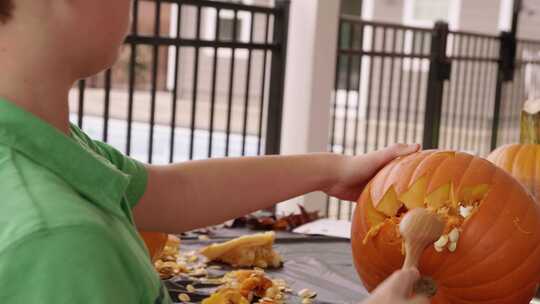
[309, 80]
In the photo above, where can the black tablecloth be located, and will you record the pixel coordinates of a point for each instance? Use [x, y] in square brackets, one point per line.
[322, 264]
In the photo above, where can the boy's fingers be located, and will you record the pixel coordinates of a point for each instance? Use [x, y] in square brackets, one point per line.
[401, 282]
[402, 149]
[388, 154]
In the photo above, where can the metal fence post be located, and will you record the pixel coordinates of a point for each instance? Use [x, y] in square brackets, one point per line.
[277, 79]
[439, 71]
[506, 68]
[505, 73]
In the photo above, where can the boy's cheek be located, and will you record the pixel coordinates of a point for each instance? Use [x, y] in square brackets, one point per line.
[94, 30]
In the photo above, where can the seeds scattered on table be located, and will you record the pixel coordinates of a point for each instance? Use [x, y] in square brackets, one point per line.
[215, 267]
[192, 258]
[199, 272]
[190, 288]
[184, 298]
[306, 293]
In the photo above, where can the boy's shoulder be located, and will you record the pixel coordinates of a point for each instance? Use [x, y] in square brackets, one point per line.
[35, 198]
[49, 228]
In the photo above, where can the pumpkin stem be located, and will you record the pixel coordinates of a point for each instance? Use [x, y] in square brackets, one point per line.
[530, 122]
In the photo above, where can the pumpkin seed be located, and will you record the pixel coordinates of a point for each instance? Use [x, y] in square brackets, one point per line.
[439, 249]
[184, 298]
[442, 241]
[452, 246]
[453, 236]
[306, 293]
[190, 288]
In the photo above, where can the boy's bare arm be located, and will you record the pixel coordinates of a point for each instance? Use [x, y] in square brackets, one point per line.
[200, 193]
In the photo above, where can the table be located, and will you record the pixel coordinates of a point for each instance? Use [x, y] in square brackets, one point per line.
[319, 263]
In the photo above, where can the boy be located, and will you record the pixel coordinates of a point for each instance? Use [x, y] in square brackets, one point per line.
[69, 205]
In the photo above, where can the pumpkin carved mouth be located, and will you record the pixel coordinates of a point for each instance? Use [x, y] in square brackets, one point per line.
[490, 249]
[453, 204]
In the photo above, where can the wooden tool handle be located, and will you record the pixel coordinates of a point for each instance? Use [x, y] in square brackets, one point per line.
[412, 255]
[419, 228]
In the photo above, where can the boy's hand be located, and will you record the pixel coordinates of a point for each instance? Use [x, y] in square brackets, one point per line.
[397, 289]
[352, 173]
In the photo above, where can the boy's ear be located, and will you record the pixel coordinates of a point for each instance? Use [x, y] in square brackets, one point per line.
[6, 10]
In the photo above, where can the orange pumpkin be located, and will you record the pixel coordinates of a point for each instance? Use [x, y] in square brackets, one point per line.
[155, 243]
[522, 161]
[494, 257]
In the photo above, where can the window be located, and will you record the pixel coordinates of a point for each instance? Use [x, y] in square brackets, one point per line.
[227, 22]
[424, 13]
[226, 28]
[208, 32]
[351, 7]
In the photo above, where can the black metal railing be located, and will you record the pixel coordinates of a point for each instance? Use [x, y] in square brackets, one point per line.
[379, 90]
[469, 92]
[442, 88]
[196, 79]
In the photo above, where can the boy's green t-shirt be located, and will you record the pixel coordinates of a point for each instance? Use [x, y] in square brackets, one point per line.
[66, 227]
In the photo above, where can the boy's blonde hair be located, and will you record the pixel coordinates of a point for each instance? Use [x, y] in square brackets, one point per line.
[6, 8]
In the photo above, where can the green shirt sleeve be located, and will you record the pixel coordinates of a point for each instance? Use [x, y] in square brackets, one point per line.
[67, 265]
[135, 169]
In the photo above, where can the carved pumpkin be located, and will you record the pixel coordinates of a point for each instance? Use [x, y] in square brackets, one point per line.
[522, 161]
[490, 250]
[155, 243]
